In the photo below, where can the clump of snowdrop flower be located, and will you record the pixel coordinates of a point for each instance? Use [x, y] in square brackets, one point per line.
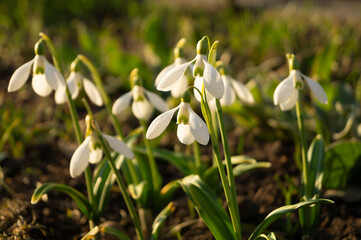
[232, 87]
[190, 126]
[144, 101]
[203, 72]
[286, 93]
[75, 81]
[45, 76]
[180, 86]
[90, 151]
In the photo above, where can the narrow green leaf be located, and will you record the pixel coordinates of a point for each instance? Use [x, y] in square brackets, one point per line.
[208, 207]
[279, 212]
[108, 230]
[212, 57]
[243, 168]
[77, 196]
[159, 220]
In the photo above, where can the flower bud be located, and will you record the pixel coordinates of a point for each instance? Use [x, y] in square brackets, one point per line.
[202, 46]
[39, 48]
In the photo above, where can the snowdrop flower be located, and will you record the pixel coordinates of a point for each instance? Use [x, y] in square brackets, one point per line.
[90, 151]
[180, 86]
[190, 126]
[232, 88]
[204, 72]
[286, 93]
[75, 82]
[45, 76]
[144, 101]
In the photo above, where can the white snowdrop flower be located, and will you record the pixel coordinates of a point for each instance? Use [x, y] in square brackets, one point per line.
[45, 76]
[75, 81]
[233, 88]
[144, 101]
[190, 126]
[206, 73]
[286, 93]
[90, 151]
[180, 86]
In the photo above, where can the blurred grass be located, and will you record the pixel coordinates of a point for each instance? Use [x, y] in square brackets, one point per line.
[121, 35]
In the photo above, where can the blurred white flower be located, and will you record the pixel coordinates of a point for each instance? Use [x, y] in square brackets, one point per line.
[286, 93]
[143, 104]
[90, 151]
[190, 126]
[45, 76]
[75, 81]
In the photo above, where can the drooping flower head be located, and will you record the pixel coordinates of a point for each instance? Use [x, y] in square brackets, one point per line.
[203, 72]
[144, 101]
[90, 151]
[232, 87]
[75, 82]
[45, 76]
[180, 86]
[190, 126]
[286, 93]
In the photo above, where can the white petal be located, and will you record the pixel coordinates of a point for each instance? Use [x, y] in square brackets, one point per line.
[20, 76]
[173, 75]
[229, 96]
[156, 101]
[242, 91]
[198, 83]
[60, 96]
[121, 103]
[53, 77]
[93, 93]
[80, 158]
[95, 155]
[284, 90]
[184, 134]
[162, 73]
[316, 89]
[179, 87]
[198, 127]
[160, 123]
[142, 109]
[40, 85]
[73, 84]
[119, 146]
[213, 81]
[291, 102]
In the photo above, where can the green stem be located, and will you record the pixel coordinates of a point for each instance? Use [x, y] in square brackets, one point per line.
[75, 120]
[197, 157]
[156, 180]
[226, 187]
[228, 165]
[120, 182]
[99, 83]
[303, 147]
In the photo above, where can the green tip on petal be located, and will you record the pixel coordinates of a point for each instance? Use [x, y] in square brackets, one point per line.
[186, 97]
[202, 46]
[293, 62]
[40, 47]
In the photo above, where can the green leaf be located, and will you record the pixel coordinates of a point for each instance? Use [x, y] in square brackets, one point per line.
[208, 207]
[243, 168]
[315, 157]
[159, 220]
[270, 236]
[167, 192]
[279, 212]
[213, 54]
[77, 196]
[342, 164]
